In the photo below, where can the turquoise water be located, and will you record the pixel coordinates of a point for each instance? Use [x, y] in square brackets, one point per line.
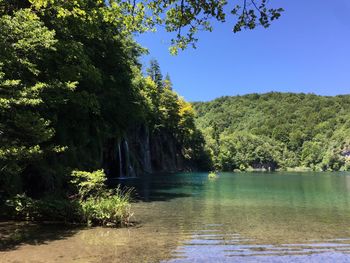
[255, 216]
[238, 217]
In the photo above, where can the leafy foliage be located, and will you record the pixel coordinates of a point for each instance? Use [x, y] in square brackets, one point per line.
[25, 43]
[113, 209]
[89, 184]
[100, 206]
[183, 18]
[22, 207]
[96, 204]
[212, 175]
[277, 130]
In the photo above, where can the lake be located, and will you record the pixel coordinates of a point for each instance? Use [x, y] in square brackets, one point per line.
[186, 217]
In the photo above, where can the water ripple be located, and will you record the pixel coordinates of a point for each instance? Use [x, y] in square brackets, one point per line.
[211, 245]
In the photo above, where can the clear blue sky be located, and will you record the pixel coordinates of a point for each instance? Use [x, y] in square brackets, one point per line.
[307, 50]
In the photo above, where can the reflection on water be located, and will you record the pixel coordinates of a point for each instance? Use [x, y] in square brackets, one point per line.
[211, 245]
[247, 217]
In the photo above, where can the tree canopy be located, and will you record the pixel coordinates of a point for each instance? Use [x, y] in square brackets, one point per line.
[182, 18]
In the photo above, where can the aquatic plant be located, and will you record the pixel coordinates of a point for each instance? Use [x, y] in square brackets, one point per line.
[111, 209]
[212, 175]
[99, 205]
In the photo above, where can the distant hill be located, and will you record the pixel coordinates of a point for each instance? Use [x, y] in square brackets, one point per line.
[277, 130]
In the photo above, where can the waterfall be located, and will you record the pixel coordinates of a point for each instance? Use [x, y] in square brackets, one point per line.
[127, 158]
[120, 161]
[147, 165]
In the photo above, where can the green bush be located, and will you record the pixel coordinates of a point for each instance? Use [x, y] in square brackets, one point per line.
[94, 204]
[89, 184]
[23, 207]
[212, 175]
[99, 205]
[112, 208]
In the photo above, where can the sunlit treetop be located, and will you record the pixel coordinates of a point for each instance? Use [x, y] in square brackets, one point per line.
[183, 18]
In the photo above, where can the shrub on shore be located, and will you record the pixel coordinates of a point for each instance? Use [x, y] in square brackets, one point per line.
[108, 210]
[93, 204]
[23, 207]
[212, 175]
[99, 205]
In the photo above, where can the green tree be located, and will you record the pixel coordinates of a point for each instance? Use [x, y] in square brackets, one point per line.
[154, 72]
[167, 83]
[312, 153]
[24, 43]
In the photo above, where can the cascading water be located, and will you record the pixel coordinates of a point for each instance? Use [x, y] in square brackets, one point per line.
[146, 151]
[127, 158]
[120, 161]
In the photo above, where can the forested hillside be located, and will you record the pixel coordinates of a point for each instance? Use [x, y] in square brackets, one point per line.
[277, 130]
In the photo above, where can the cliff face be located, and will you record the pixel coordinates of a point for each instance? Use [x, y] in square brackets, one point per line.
[142, 151]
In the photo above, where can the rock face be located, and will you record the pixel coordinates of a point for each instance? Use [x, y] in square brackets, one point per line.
[142, 151]
[268, 166]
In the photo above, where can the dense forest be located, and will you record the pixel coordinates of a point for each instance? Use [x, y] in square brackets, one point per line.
[277, 130]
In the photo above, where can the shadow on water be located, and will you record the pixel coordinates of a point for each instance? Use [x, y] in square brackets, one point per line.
[15, 234]
[160, 196]
[158, 187]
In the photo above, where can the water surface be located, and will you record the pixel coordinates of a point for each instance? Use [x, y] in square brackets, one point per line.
[238, 217]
